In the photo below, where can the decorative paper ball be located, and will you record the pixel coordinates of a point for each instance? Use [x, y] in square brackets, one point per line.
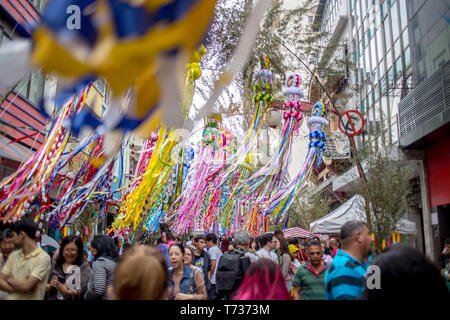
[274, 119]
[264, 159]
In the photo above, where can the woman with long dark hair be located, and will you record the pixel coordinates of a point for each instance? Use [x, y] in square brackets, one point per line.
[70, 272]
[263, 281]
[284, 259]
[189, 258]
[104, 266]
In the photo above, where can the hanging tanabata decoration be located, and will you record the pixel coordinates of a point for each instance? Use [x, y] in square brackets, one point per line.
[30, 184]
[278, 205]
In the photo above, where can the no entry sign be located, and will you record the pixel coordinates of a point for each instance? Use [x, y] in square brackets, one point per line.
[353, 121]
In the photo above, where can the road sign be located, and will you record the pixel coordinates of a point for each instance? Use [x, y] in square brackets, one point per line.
[353, 121]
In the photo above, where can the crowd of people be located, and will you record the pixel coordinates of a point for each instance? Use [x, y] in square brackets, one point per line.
[208, 267]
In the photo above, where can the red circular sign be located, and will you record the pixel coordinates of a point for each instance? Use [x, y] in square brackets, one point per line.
[353, 121]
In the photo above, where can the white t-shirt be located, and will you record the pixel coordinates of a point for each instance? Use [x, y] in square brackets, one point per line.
[253, 257]
[262, 253]
[215, 254]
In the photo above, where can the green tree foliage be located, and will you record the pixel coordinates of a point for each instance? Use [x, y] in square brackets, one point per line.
[87, 219]
[308, 207]
[389, 189]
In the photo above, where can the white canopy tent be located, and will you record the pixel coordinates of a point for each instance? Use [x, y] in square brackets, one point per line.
[352, 209]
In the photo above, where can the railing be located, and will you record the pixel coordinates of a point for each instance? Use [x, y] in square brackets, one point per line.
[429, 99]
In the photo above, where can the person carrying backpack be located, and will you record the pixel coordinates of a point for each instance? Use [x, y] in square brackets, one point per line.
[232, 267]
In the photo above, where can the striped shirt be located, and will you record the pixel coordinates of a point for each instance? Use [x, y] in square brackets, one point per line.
[102, 278]
[344, 279]
[311, 283]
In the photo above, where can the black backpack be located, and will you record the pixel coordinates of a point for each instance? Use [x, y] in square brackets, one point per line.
[230, 271]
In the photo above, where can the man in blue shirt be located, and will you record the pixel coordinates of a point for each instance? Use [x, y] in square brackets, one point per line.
[344, 278]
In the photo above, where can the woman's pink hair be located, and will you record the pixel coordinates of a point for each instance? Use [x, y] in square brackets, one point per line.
[263, 281]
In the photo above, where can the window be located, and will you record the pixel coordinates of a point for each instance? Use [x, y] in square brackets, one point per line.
[32, 87]
[405, 38]
[383, 84]
[394, 130]
[364, 7]
[23, 88]
[384, 9]
[374, 75]
[373, 52]
[4, 35]
[100, 86]
[377, 19]
[406, 59]
[39, 4]
[375, 94]
[387, 33]
[382, 69]
[389, 78]
[403, 14]
[380, 44]
[36, 87]
[384, 106]
[397, 49]
[367, 60]
[389, 59]
[398, 68]
[395, 22]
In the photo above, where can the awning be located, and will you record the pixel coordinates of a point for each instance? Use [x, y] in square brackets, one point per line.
[49, 241]
[298, 233]
[352, 209]
[14, 151]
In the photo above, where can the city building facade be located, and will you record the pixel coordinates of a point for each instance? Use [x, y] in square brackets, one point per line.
[395, 47]
[424, 114]
[22, 127]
